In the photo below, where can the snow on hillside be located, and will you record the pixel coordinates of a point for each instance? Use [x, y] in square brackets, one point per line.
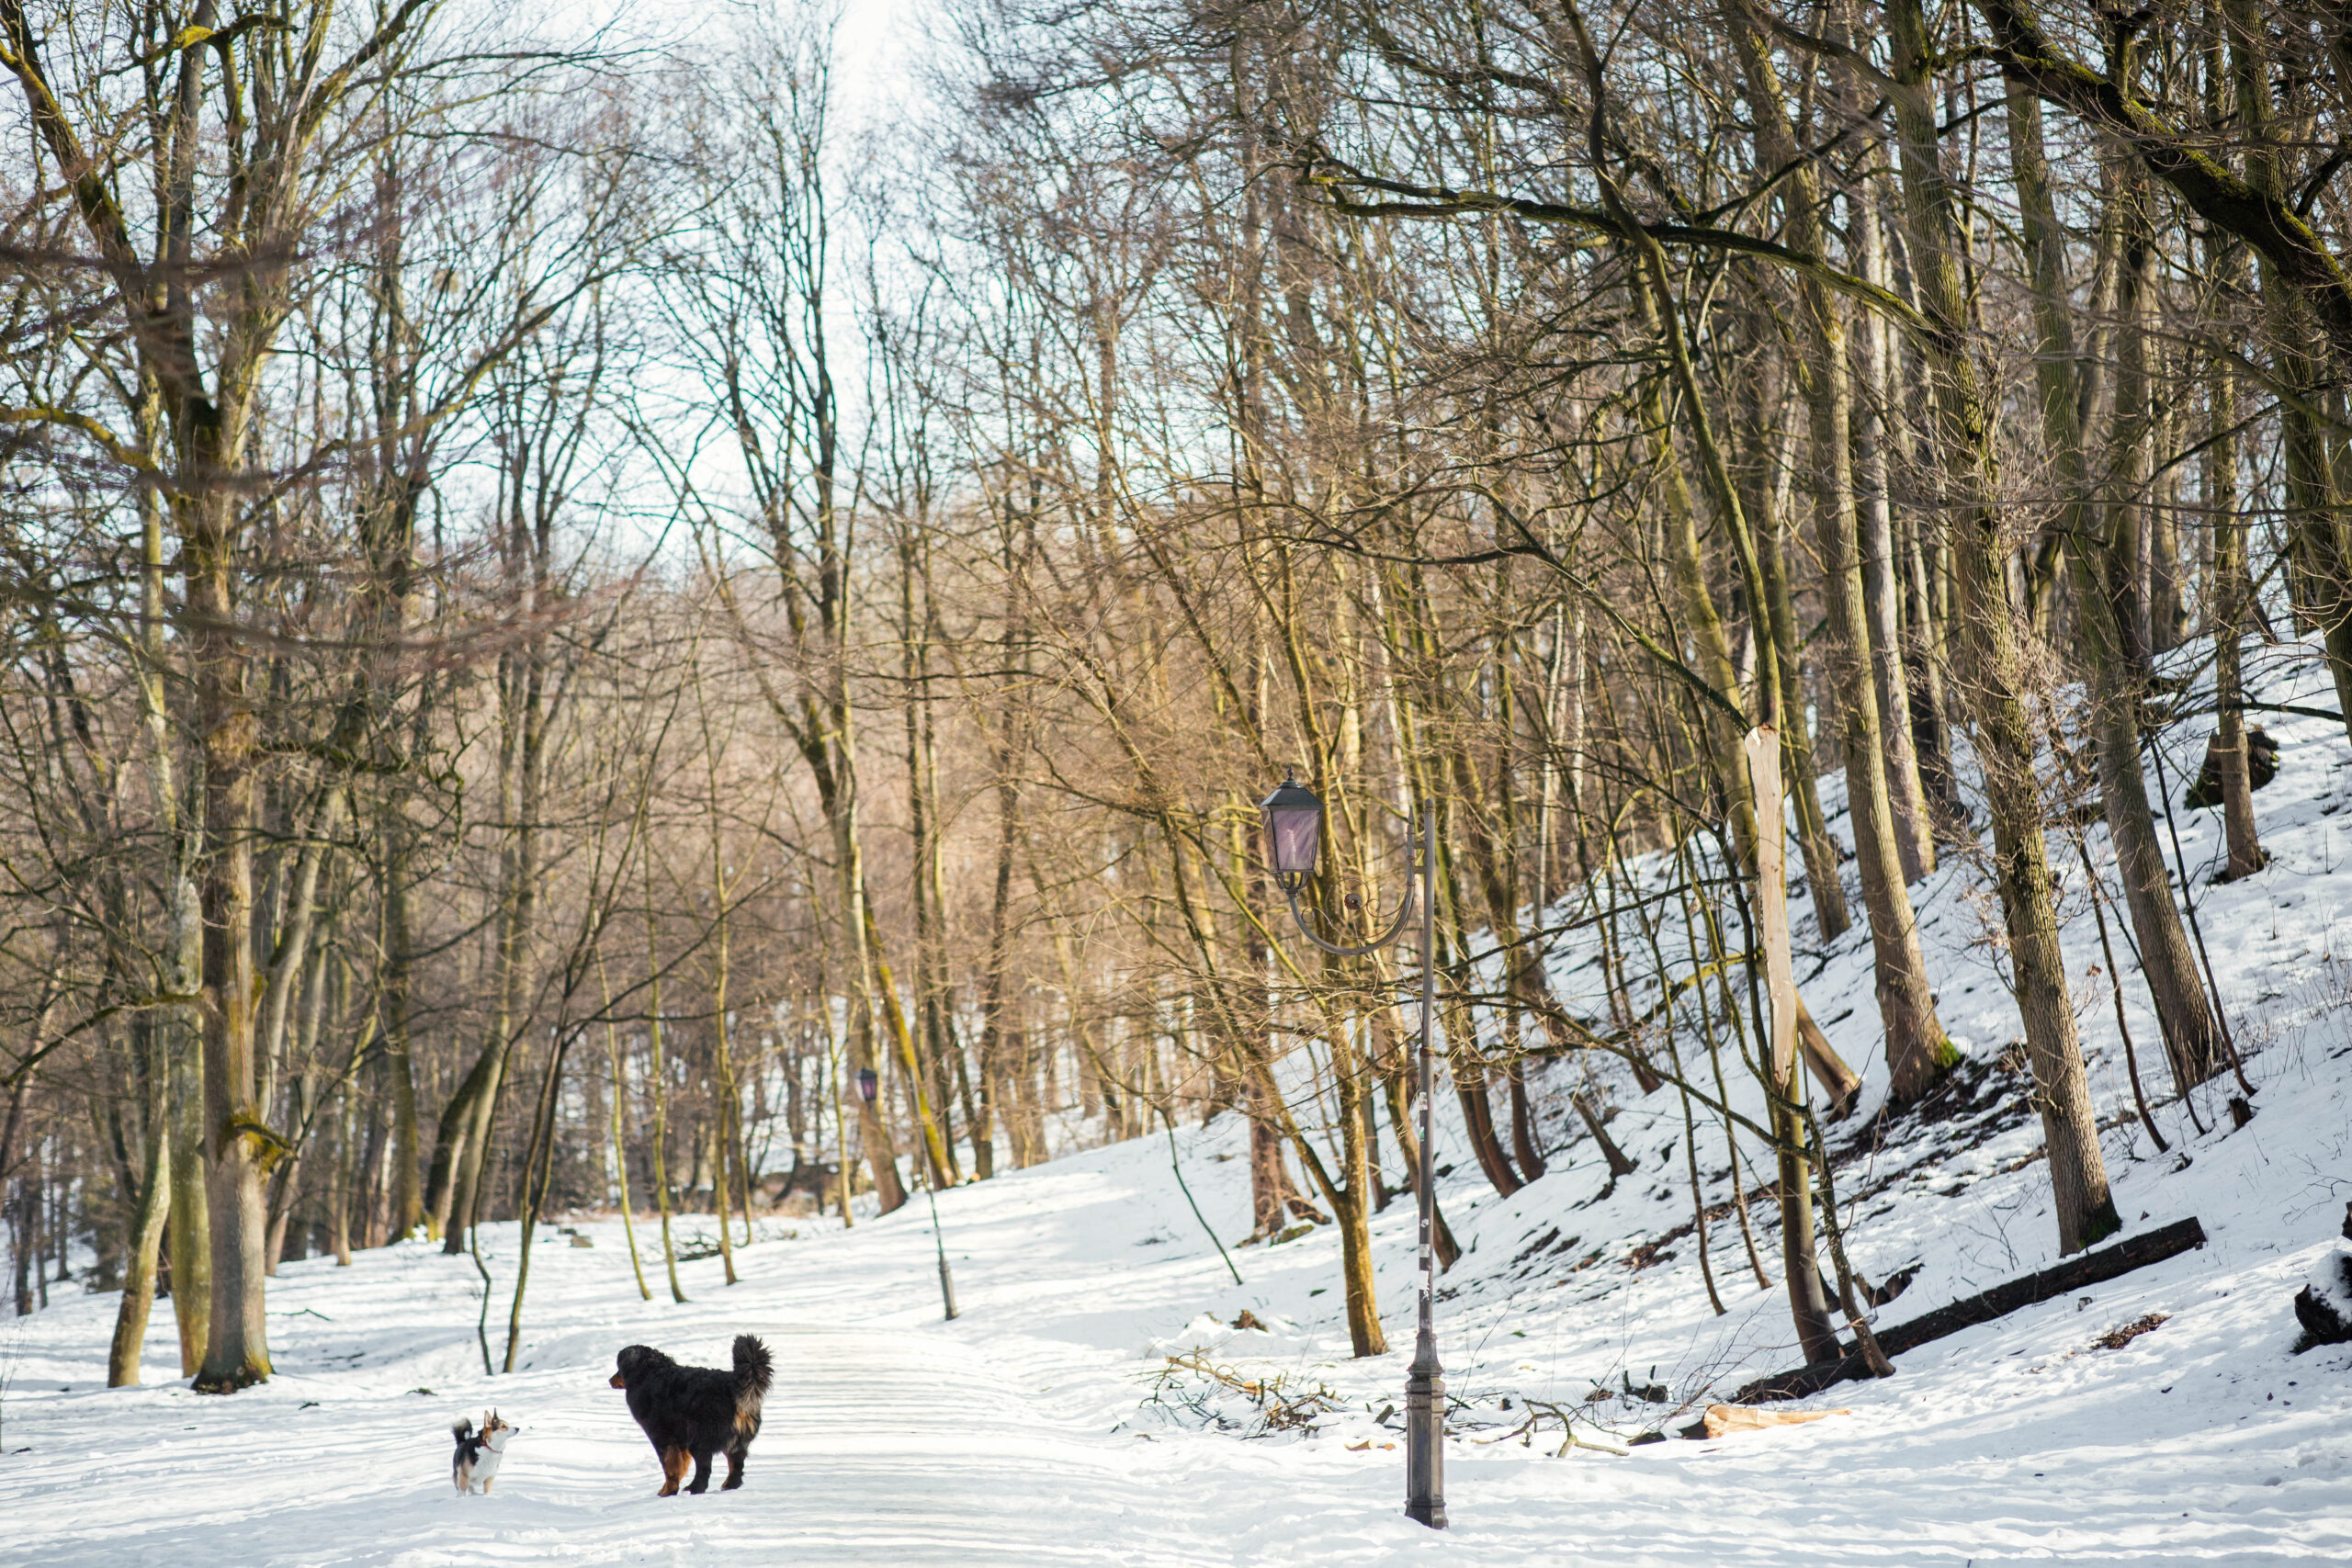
[1049, 1424]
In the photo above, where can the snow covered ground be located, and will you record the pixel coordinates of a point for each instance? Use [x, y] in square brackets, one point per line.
[1047, 1425]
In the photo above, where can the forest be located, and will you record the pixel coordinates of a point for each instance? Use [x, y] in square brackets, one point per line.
[571, 588]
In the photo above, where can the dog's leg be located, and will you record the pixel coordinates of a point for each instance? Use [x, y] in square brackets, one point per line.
[734, 1470]
[702, 1473]
[485, 1485]
[673, 1470]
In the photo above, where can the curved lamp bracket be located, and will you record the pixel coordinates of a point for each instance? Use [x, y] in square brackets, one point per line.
[1395, 927]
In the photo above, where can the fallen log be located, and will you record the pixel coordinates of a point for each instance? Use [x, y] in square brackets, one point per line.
[2090, 1269]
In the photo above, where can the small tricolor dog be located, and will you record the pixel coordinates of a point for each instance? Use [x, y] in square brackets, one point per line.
[691, 1413]
[479, 1452]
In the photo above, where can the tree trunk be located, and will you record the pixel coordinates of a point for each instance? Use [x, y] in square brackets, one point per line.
[450, 1137]
[397, 1067]
[1883, 565]
[153, 1208]
[2100, 560]
[1784, 1073]
[2319, 583]
[1616, 1159]
[867, 999]
[925, 882]
[1814, 846]
[618, 1133]
[2228, 588]
[188, 1230]
[238, 1145]
[659, 1077]
[992, 1110]
[1917, 1054]
[730, 1106]
[524, 718]
[1400, 1087]
[1995, 672]
[1349, 1208]
[1522, 1124]
[339, 1197]
[2229, 592]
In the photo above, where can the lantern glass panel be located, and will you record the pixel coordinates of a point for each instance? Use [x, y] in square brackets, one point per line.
[1293, 832]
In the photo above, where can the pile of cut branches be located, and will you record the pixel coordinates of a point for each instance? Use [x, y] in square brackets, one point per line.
[1212, 1395]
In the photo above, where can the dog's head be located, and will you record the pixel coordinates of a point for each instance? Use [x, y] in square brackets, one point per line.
[635, 1363]
[495, 1430]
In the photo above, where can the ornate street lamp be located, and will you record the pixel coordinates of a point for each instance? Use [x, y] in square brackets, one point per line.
[1294, 820]
[868, 1085]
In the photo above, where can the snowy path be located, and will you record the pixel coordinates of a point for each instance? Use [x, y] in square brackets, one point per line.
[909, 1450]
[880, 1446]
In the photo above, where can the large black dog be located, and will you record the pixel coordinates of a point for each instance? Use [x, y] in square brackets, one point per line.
[696, 1412]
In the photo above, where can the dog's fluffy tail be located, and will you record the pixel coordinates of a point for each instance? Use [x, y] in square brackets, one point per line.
[463, 1427]
[753, 1371]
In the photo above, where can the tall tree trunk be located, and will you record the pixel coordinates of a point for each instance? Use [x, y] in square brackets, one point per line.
[153, 1207]
[398, 1066]
[1995, 673]
[524, 714]
[515, 931]
[659, 1074]
[339, 1194]
[2226, 598]
[539, 1171]
[2100, 560]
[619, 1136]
[1808, 1303]
[1765, 454]
[1466, 1062]
[934, 1046]
[730, 1146]
[2319, 574]
[993, 1112]
[1917, 1054]
[189, 1229]
[238, 1145]
[1523, 1132]
[910, 1061]
[1881, 561]
[867, 999]
[1400, 1085]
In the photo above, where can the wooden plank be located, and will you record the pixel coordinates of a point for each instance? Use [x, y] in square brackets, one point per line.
[2075, 1274]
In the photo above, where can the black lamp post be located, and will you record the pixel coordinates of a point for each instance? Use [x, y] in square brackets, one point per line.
[1293, 832]
[868, 1085]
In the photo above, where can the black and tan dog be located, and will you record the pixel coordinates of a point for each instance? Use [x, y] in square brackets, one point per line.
[696, 1412]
